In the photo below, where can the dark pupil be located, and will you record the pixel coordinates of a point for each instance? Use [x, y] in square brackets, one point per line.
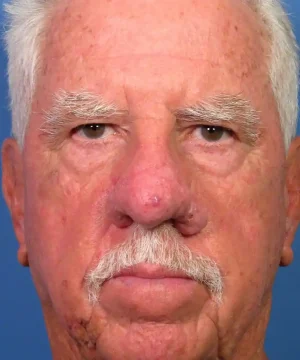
[212, 133]
[93, 130]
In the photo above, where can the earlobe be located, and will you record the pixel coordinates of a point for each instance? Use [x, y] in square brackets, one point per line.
[13, 191]
[287, 256]
[23, 255]
[293, 201]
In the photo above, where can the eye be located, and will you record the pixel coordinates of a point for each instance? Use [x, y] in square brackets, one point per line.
[94, 131]
[213, 133]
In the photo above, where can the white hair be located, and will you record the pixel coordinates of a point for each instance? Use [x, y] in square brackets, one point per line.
[162, 246]
[27, 21]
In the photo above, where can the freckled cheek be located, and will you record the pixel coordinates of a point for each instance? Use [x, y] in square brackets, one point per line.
[62, 249]
[242, 248]
[247, 222]
[62, 228]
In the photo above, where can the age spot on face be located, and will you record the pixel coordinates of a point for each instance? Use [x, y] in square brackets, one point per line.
[78, 330]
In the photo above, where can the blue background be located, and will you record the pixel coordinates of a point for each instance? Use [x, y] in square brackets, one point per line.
[22, 330]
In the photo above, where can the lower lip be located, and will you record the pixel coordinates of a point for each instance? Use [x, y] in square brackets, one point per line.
[151, 298]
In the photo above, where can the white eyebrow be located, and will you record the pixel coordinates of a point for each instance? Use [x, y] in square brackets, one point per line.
[225, 109]
[82, 105]
[217, 111]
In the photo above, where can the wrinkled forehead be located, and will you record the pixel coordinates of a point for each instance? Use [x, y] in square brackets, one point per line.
[171, 27]
[227, 35]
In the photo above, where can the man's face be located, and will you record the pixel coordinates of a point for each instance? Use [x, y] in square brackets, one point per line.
[86, 189]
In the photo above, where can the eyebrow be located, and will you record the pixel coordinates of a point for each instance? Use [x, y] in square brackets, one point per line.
[81, 105]
[225, 110]
[219, 110]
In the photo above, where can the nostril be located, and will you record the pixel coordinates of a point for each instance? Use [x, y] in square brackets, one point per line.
[192, 222]
[190, 217]
[122, 220]
[184, 219]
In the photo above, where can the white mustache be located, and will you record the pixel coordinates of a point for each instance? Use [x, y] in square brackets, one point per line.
[162, 246]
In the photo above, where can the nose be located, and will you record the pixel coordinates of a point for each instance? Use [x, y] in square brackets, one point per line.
[152, 188]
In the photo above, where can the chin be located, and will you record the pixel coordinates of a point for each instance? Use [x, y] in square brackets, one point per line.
[154, 319]
[157, 341]
[175, 334]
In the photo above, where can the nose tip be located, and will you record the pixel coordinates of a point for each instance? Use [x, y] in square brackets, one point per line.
[154, 209]
[141, 206]
[154, 189]
[151, 201]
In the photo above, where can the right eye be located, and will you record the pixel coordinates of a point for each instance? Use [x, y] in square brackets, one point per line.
[94, 131]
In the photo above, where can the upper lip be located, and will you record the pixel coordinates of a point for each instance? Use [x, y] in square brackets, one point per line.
[151, 271]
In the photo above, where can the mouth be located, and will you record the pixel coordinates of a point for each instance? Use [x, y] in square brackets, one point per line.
[151, 278]
[150, 292]
[151, 271]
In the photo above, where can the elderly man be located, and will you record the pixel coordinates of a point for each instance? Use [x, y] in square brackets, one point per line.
[153, 179]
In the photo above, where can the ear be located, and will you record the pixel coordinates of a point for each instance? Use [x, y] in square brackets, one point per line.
[293, 201]
[13, 191]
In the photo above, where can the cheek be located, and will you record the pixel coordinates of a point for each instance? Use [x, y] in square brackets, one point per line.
[258, 221]
[246, 227]
[65, 232]
[264, 194]
[244, 234]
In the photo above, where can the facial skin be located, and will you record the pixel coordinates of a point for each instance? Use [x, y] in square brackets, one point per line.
[72, 198]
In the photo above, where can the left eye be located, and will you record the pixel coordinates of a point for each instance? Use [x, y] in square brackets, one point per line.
[213, 133]
[94, 131]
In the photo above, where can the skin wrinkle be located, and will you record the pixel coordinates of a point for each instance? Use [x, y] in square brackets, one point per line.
[215, 323]
[223, 110]
[145, 335]
[90, 108]
[233, 191]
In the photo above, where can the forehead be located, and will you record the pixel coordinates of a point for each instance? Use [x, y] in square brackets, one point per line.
[212, 45]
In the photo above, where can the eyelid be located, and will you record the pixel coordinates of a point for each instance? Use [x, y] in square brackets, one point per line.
[225, 128]
[222, 126]
[82, 123]
[190, 122]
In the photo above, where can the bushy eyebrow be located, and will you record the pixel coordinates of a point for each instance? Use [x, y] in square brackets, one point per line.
[82, 105]
[219, 110]
[225, 110]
